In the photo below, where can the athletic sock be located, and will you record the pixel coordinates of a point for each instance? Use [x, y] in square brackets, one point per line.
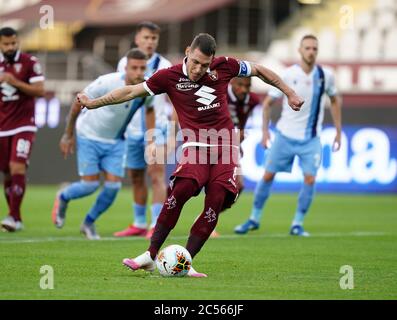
[206, 222]
[304, 201]
[139, 215]
[17, 186]
[7, 190]
[262, 192]
[103, 201]
[156, 209]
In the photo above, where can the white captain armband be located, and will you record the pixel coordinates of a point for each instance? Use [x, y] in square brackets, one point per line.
[245, 69]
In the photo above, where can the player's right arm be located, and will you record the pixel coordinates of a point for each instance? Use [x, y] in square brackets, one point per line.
[270, 77]
[115, 96]
[67, 142]
[266, 111]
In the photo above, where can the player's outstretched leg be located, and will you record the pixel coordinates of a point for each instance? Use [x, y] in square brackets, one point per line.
[102, 203]
[181, 191]
[73, 191]
[261, 195]
[206, 222]
[304, 201]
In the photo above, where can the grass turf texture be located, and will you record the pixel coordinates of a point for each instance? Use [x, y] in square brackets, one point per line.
[355, 230]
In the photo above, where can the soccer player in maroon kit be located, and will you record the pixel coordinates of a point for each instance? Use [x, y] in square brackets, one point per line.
[198, 90]
[21, 80]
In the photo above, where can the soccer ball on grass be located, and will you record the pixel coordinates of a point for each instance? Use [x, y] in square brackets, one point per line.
[174, 261]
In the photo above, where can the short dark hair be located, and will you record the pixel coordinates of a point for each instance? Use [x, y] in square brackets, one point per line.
[309, 36]
[7, 32]
[148, 25]
[205, 42]
[137, 54]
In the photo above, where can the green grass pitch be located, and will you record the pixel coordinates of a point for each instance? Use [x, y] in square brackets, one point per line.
[355, 230]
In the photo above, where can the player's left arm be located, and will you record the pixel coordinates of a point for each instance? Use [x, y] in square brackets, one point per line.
[35, 89]
[270, 77]
[336, 107]
[115, 96]
[336, 113]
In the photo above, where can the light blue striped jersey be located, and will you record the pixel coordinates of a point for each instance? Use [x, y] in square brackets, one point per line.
[312, 87]
[109, 123]
[161, 103]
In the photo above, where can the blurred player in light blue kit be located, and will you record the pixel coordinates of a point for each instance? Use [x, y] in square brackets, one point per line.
[297, 133]
[147, 37]
[101, 143]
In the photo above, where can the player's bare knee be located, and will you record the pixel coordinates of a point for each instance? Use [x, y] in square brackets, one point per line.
[310, 180]
[157, 180]
[269, 176]
[137, 177]
[17, 168]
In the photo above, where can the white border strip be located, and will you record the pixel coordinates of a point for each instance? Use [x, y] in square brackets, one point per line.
[18, 130]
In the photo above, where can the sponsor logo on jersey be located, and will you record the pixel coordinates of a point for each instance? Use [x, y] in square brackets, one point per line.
[186, 86]
[8, 92]
[206, 96]
[211, 106]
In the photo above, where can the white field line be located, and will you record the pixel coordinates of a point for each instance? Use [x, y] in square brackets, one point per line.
[223, 236]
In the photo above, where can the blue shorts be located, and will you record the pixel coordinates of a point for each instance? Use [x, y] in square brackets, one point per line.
[94, 157]
[136, 148]
[283, 151]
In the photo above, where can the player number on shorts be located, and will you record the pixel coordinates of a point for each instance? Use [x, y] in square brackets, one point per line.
[234, 173]
[23, 146]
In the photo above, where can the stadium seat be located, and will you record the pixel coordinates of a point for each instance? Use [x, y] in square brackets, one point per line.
[390, 45]
[385, 4]
[385, 19]
[349, 43]
[280, 49]
[328, 43]
[371, 45]
[363, 20]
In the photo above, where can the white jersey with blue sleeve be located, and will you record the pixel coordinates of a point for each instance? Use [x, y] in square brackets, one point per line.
[161, 103]
[108, 124]
[306, 123]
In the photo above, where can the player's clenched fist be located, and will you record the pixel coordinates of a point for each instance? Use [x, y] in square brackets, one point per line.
[84, 100]
[295, 102]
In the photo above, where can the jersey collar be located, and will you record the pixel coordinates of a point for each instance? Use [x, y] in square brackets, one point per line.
[184, 68]
[17, 56]
[152, 58]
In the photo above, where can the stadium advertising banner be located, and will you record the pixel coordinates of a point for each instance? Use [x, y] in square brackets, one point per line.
[366, 162]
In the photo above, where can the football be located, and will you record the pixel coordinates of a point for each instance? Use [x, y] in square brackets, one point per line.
[174, 261]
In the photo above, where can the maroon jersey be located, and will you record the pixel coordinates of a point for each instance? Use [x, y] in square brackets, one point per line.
[201, 106]
[240, 110]
[16, 107]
